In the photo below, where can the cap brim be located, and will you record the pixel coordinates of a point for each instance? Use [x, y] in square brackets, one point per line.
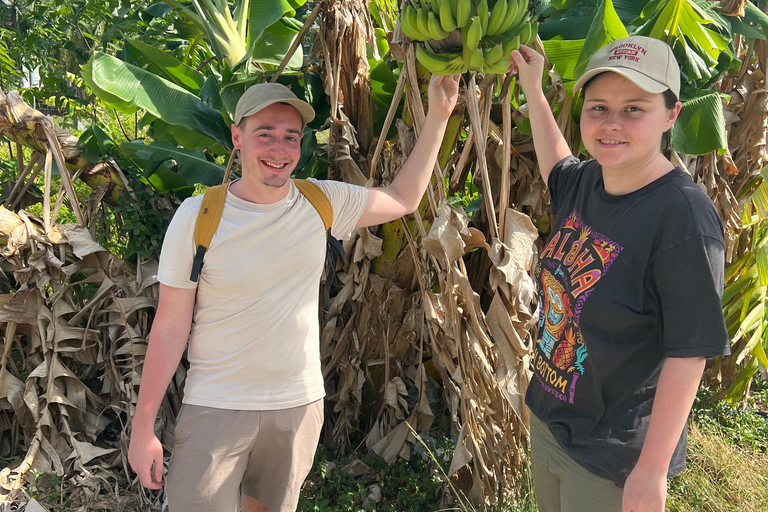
[306, 111]
[642, 81]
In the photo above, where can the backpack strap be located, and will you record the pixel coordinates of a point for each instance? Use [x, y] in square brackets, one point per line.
[322, 204]
[207, 222]
[319, 200]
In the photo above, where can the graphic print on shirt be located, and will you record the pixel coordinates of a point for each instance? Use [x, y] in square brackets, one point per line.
[572, 263]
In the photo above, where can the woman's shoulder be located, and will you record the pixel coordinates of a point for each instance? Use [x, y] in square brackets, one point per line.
[687, 205]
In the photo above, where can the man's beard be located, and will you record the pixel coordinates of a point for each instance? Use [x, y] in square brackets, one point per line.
[276, 181]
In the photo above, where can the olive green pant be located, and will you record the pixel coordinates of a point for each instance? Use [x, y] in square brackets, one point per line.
[561, 484]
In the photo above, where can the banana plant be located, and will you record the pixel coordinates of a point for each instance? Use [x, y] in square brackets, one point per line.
[745, 298]
[188, 95]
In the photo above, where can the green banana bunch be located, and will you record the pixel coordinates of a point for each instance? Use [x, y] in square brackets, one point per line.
[435, 29]
[449, 63]
[488, 35]
[409, 23]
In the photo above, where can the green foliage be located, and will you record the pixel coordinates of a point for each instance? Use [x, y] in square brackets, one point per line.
[134, 226]
[414, 485]
[742, 426]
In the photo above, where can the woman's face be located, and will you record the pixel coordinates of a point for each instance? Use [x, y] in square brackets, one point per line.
[622, 125]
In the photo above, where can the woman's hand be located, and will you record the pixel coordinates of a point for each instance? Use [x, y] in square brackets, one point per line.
[442, 93]
[645, 491]
[529, 66]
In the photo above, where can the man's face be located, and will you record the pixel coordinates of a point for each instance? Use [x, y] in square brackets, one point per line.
[270, 144]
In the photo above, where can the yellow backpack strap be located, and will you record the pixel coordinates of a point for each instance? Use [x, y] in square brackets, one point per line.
[322, 204]
[206, 224]
[319, 200]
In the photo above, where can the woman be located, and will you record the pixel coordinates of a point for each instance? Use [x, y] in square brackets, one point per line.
[630, 288]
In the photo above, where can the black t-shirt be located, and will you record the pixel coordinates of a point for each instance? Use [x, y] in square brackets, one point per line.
[624, 282]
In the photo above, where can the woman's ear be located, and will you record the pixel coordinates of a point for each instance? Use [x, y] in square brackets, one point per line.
[673, 114]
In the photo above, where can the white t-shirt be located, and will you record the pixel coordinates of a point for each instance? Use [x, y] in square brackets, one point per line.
[255, 342]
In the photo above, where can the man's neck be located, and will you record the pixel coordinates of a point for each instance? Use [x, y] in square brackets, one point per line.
[259, 193]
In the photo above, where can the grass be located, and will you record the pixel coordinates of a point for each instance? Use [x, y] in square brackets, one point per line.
[720, 477]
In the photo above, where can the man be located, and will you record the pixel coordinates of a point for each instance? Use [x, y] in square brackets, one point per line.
[252, 413]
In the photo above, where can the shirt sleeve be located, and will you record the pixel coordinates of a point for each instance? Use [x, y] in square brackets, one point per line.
[348, 202]
[563, 177]
[179, 247]
[689, 281]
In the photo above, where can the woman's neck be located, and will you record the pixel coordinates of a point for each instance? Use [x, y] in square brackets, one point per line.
[620, 181]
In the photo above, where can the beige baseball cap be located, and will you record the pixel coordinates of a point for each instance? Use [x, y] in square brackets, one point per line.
[260, 96]
[649, 63]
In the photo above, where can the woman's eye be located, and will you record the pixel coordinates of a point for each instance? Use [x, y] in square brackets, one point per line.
[634, 109]
[598, 108]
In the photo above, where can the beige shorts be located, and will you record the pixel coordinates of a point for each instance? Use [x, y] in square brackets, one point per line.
[268, 453]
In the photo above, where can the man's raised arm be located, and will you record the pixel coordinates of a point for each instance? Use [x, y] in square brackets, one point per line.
[403, 195]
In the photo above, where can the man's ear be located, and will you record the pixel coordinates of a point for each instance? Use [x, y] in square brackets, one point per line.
[236, 133]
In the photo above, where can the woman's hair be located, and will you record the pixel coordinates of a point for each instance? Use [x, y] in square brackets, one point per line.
[670, 100]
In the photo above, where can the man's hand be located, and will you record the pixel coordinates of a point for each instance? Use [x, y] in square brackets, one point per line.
[645, 491]
[145, 454]
[442, 94]
[529, 66]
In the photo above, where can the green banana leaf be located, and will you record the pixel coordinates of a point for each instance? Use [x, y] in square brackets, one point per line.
[264, 14]
[571, 19]
[164, 64]
[755, 15]
[94, 143]
[760, 197]
[697, 34]
[606, 27]
[192, 166]
[275, 41]
[700, 129]
[129, 88]
[564, 54]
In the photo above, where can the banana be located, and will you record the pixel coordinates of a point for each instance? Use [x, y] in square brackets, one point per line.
[525, 33]
[409, 24]
[454, 7]
[434, 65]
[534, 31]
[447, 22]
[511, 32]
[511, 16]
[493, 54]
[464, 11]
[439, 64]
[476, 61]
[497, 17]
[512, 44]
[483, 14]
[422, 21]
[474, 33]
[497, 68]
[435, 30]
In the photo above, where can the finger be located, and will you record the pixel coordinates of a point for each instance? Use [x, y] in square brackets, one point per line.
[518, 59]
[157, 472]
